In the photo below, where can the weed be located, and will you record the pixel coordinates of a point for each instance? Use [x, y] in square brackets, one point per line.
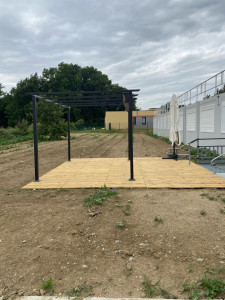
[127, 273]
[221, 270]
[206, 287]
[164, 294]
[158, 220]
[211, 198]
[113, 137]
[204, 194]
[130, 293]
[81, 290]
[150, 289]
[223, 200]
[207, 270]
[146, 196]
[143, 141]
[127, 210]
[120, 224]
[190, 268]
[222, 211]
[99, 196]
[62, 189]
[47, 285]
[202, 212]
[156, 267]
[151, 134]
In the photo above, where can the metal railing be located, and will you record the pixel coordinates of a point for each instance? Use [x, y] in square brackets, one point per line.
[210, 85]
[214, 159]
[206, 152]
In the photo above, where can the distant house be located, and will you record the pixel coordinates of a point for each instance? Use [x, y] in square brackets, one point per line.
[142, 119]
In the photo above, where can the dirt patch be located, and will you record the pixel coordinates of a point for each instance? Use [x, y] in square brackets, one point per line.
[175, 236]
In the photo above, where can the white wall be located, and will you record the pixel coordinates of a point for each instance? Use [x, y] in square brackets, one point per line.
[203, 119]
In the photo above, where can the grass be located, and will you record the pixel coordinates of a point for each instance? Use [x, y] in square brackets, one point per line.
[151, 290]
[222, 211]
[204, 194]
[223, 200]
[99, 196]
[127, 273]
[127, 210]
[113, 137]
[47, 285]
[155, 136]
[120, 224]
[202, 212]
[158, 220]
[82, 290]
[206, 287]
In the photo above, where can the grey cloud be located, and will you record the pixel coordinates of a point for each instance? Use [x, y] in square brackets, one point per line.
[160, 46]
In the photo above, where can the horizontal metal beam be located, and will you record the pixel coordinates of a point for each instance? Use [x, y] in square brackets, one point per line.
[101, 92]
[89, 97]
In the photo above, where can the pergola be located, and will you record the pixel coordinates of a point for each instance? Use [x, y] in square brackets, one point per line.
[86, 99]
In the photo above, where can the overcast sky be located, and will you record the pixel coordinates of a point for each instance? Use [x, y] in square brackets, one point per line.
[160, 46]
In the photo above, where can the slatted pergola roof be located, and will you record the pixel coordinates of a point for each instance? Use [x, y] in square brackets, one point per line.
[86, 99]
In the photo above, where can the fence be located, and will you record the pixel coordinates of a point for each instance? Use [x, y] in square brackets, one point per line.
[202, 119]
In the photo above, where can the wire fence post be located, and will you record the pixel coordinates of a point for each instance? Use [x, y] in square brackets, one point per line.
[36, 164]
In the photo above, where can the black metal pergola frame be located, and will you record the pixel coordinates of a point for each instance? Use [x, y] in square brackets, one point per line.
[86, 99]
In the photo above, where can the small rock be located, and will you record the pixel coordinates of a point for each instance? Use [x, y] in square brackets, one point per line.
[143, 295]
[42, 292]
[128, 253]
[131, 258]
[74, 232]
[200, 259]
[129, 266]
[24, 241]
[142, 244]
[93, 214]
[117, 241]
[20, 293]
[84, 266]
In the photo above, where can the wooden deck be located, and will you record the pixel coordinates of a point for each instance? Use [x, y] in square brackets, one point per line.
[115, 172]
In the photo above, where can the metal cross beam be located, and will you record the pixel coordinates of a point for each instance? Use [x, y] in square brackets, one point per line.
[84, 99]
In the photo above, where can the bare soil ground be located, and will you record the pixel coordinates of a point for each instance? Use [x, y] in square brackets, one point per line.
[50, 234]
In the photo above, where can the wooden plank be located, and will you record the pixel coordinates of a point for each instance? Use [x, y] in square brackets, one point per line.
[115, 172]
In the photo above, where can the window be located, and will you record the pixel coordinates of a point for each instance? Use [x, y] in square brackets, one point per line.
[143, 120]
[134, 120]
[223, 117]
[180, 125]
[191, 120]
[207, 118]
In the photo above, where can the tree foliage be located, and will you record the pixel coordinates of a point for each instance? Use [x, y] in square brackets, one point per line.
[16, 105]
[51, 123]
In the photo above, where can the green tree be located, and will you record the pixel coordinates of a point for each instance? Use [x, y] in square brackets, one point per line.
[50, 121]
[3, 104]
[65, 77]
[20, 107]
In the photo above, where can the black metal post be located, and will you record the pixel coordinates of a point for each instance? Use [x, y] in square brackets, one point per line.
[130, 137]
[197, 150]
[129, 133]
[36, 166]
[68, 118]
